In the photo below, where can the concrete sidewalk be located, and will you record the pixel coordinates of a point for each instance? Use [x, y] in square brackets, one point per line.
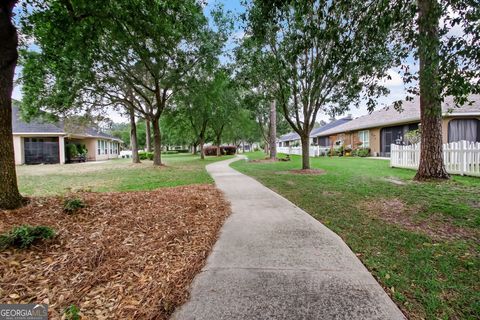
[274, 261]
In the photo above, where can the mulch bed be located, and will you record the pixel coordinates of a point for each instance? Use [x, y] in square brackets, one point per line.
[126, 255]
[395, 211]
[303, 171]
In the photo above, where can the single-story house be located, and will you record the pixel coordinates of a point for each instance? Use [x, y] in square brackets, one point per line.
[38, 142]
[288, 140]
[293, 139]
[316, 136]
[381, 128]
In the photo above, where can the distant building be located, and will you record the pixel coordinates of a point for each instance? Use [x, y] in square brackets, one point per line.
[378, 130]
[293, 139]
[43, 142]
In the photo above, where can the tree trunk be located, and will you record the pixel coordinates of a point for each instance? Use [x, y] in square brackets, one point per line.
[133, 136]
[218, 147]
[305, 152]
[202, 151]
[157, 143]
[273, 131]
[148, 135]
[431, 159]
[10, 197]
[194, 149]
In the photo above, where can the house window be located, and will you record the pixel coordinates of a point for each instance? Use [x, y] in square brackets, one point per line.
[323, 141]
[464, 129]
[102, 147]
[364, 138]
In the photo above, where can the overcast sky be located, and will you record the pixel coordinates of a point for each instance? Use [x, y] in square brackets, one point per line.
[395, 84]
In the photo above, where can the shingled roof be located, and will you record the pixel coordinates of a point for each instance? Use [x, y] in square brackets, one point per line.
[44, 127]
[410, 113]
[335, 123]
[291, 136]
[34, 126]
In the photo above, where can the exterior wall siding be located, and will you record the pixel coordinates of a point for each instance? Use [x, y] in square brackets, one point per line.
[374, 141]
[18, 150]
[90, 143]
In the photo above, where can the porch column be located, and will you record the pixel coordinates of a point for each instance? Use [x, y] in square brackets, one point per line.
[61, 149]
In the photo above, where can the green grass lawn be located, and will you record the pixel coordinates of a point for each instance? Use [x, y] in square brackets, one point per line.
[113, 175]
[420, 240]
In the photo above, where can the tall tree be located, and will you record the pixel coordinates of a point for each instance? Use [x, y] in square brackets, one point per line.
[101, 42]
[273, 131]
[431, 153]
[320, 59]
[443, 36]
[224, 107]
[133, 136]
[196, 104]
[10, 197]
[148, 136]
[254, 73]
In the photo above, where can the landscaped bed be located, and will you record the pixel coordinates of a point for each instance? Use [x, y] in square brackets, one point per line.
[125, 255]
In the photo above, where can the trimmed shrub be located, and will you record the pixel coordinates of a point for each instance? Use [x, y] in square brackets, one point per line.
[170, 152]
[143, 155]
[225, 150]
[228, 150]
[25, 236]
[363, 152]
[210, 151]
[338, 151]
[72, 150]
[72, 205]
[82, 149]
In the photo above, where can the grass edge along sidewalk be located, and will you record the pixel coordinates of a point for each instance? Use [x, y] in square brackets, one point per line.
[420, 240]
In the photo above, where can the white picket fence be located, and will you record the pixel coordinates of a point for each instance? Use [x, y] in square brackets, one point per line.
[315, 151]
[461, 157]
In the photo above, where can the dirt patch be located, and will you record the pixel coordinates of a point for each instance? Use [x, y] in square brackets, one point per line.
[126, 255]
[397, 212]
[475, 204]
[263, 160]
[395, 181]
[303, 171]
[331, 193]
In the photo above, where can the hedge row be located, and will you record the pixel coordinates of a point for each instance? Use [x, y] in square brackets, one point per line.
[225, 150]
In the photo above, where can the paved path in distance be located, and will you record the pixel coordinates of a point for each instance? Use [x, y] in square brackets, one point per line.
[274, 261]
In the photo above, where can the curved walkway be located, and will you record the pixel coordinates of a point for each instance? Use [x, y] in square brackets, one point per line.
[274, 261]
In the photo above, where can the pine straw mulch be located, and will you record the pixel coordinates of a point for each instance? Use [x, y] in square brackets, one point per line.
[397, 212]
[126, 255]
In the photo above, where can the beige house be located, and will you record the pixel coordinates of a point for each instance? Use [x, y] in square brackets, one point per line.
[381, 128]
[43, 142]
